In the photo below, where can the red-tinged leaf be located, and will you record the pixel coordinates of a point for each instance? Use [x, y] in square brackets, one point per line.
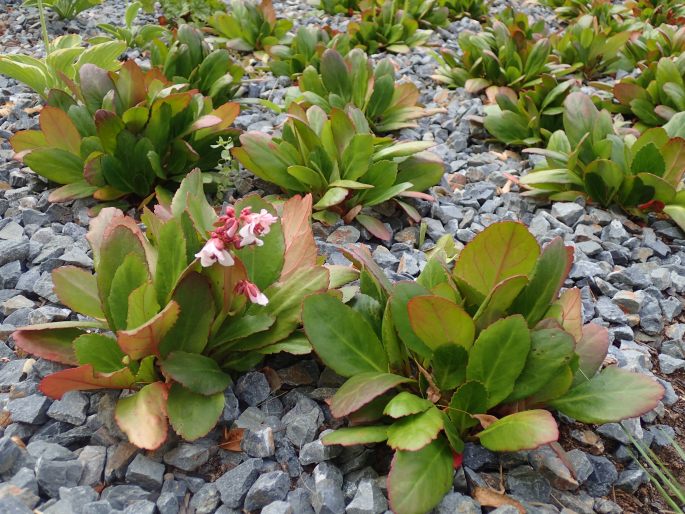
[208, 120]
[438, 321]
[26, 140]
[77, 289]
[410, 211]
[52, 341]
[375, 226]
[143, 416]
[59, 130]
[592, 348]
[96, 231]
[224, 279]
[501, 251]
[144, 340]
[571, 312]
[72, 191]
[232, 439]
[361, 257]
[300, 248]
[83, 378]
[418, 480]
[361, 389]
[415, 431]
[350, 436]
[520, 431]
[613, 395]
[417, 194]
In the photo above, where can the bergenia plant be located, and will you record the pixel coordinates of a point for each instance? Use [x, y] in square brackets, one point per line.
[337, 158]
[352, 80]
[477, 354]
[305, 50]
[171, 311]
[250, 26]
[124, 133]
[191, 60]
[591, 158]
[651, 44]
[656, 94]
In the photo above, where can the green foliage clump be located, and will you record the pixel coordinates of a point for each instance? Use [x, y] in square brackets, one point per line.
[387, 27]
[190, 60]
[656, 94]
[509, 53]
[653, 44]
[531, 116]
[658, 12]
[473, 354]
[124, 133]
[190, 10]
[589, 47]
[354, 81]
[474, 9]
[169, 326]
[250, 26]
[138, 36]
[67, 56]
[340, 6]
[337, 158]
[305, 50]
[590, 157]
[65, 9]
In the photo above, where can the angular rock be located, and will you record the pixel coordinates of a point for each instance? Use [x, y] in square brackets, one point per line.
[457, 502]
[368, 500]
[258, 443]
[187, 457]
[9, 453]
[30, 409]
[52, 475]
[93, 459]
[567, 212]
[206, 500]
[235, 483]
[268, 488]
[252, 388]
[278, 507]
[121, 497]
[70, 409]
[603, 476]
[526, 483]
[145, 472]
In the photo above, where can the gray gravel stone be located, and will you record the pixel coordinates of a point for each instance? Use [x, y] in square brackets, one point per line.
[368, 500]
[168, 503]
[187, 457]
[278, 507]
[30, 409]
[122, 496]
[526, 483]
[52, 475]
[70, 409]
[630, 479]
[49, 451]
[252, 388]
[141, 507]
[235, 483]
[602, 478]
[670, 365]
[11, 505]
[258, 443]
[9, 453]
[268, 488]
[13, 250]
[456, 502]
[567, 212]
[206, 500]
[145, 472]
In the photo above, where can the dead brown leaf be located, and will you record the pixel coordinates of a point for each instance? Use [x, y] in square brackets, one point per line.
[6, 109]
[272, 377]
[232, 439]
[485, 420]
[33, 110]
[492, 498]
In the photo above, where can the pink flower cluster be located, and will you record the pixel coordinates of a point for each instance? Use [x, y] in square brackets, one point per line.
[237, 232]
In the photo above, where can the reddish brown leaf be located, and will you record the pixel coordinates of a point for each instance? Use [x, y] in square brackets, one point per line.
[83, 378]
[492, 498]
[144, 340]
[232, 439]
[300, 248]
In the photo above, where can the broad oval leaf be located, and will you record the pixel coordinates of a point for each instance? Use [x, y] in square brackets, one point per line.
[613, 395]
[100, 351]
[143, 416]
[52, 341]
[406, 404]
[342, 337]
[439, 321]
[520, 431]
[470, 398]
[498, 357]
[144, 340]
[198, 373]
[193, 415]
[77, 289]
[592, 349]
[501, 251]
[418, 480]
[361, 389]
[416, 431]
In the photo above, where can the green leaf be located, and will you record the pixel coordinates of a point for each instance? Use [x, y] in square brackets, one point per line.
[418, 480]
[198, 373]
[83, 378]
[52, 341]
[335, 75]
[592, 348]
[333, 196]
[361, 389]
[357, 156]
[415, 431]
[497, 303]
[399, 301]
[520, 431]
[142, 305]
[191, 331]
[502, 250]
[145, 339]
[550, 350]
[142, 416]
[130, 275]
[171, 261]
[56, 165]
[613, 395]
[498, 357]
[193, 415]
[77, 289]
[470, 398]
[342, 337]
[449, 366]
[350, 436]
[438, 321]
[549, 274]
[100, 351]
[406, 404]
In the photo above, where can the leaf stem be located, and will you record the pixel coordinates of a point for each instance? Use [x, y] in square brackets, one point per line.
[43, 27]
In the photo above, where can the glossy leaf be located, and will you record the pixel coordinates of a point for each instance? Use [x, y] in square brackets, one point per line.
[144, 340]
[520, 431]
[100, 351]
[438, 321]
[143, 416]
[361, 389]
[350, 436]
[198, 373]
[406, 404]
[415, 431]
[84, 378]
[77, 289]
[191, 414]
[470, 398]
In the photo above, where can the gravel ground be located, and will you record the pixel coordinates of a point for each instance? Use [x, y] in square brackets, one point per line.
[75, 460]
